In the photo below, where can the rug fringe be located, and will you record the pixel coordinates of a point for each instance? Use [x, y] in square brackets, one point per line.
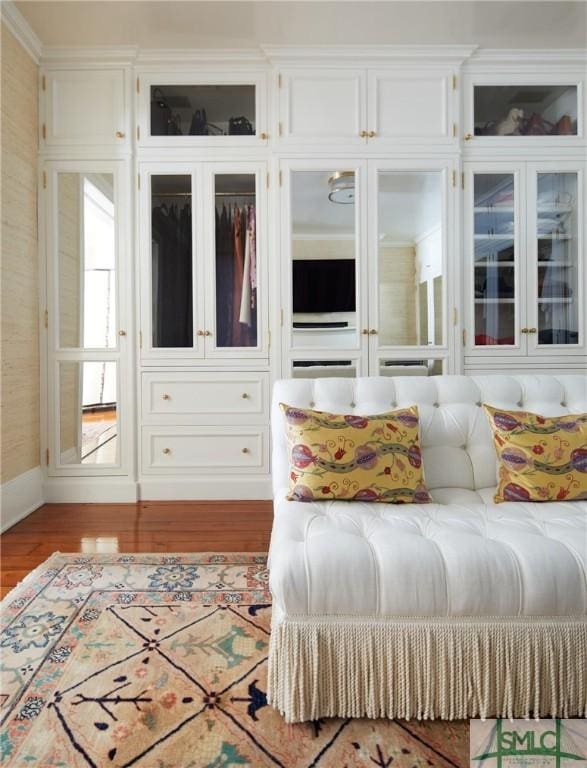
[428, 668]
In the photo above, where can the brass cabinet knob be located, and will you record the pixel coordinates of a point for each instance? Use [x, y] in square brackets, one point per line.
[468, 136]
[207, 333]
[199, 333]
[372, 134]
[532, 330]
[245, 395]
[245, 450]
[365, 331]
[524, 330]
[363, 134]
[121, 333]
[120, 135]
[166, 397]
[264, 136]
[372, 331]
[167, 450]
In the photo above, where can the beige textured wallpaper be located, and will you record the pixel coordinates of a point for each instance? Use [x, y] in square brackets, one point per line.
[19, 333]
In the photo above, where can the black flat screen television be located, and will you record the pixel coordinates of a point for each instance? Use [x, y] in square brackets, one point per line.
[323, 285]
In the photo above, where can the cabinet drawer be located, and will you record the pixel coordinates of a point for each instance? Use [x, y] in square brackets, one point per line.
[188, 397]
[205, 449]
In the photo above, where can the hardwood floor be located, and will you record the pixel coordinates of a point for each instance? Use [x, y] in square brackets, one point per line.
[148, 526]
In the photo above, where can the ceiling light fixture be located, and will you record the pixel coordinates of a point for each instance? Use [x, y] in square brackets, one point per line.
[341, 187]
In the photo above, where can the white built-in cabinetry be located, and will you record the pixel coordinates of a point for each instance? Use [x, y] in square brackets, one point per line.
[451, 229]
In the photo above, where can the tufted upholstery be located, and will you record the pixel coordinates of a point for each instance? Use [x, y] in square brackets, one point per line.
[460, 556]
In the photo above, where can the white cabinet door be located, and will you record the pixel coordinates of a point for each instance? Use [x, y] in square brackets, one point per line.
[409, 107]
[85, 107]
[556, 263]
[326, 105]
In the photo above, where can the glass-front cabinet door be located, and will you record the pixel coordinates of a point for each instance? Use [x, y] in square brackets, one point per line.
[533, 110]
[556, 307]
[492, 248]
[89, 330]
[408, 266]
[202, 262]
[214, 110]
[236, 316]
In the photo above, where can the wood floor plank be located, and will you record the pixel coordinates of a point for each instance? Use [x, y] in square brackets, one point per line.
[151, 526]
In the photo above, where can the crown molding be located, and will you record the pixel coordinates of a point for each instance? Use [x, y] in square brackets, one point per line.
[111, 54]
[22, 30]
[533, 56]
[351, 54]
[200, 56]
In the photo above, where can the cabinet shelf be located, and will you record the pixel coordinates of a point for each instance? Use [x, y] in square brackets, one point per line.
[505, 237]
[554, 237]
[561, 300]
[493, 209]
[325, 329]
[495, 264]
[495, 301]
[558, 264]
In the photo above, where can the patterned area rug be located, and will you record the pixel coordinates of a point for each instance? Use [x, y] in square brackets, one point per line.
[161, 661]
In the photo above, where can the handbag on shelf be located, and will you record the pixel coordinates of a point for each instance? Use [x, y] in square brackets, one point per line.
[174, 126]
[199, 124]
[536, 125]
[564, 127]
[160, 113]
[240, 126]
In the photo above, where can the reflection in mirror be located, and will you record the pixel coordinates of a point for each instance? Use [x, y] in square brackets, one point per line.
[323, 258]
[410, 258]
[88, 423]
[87, 260]
[316, 369]
[389, 367]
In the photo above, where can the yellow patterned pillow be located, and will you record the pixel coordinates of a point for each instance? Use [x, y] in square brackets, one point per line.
[540, 459]
[360, 458]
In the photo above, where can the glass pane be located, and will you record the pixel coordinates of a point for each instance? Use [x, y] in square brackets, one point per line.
[236, 260]
[558, 252]
[316, 369]
[86, 260]
[88, 423]
[494, 259]
[202, 110]
[323, 259]
[394, 367]
[410, 257]
[171, 261]
[525, 110]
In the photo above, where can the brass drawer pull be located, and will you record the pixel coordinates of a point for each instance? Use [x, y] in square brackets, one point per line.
[245, 450]
[121, 333]
[120, 135]
[468, 136]
[166, 396]
[245, 396]
[167, 450]
[264, 136]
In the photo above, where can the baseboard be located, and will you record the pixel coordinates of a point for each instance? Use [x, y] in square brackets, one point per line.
[211, 488]
[89, 490]
[20, 496]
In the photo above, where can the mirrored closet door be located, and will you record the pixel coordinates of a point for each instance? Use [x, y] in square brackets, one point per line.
[325, 241]
[410, 208]
[88, 325]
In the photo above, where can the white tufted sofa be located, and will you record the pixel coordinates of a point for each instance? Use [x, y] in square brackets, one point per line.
[454, 609]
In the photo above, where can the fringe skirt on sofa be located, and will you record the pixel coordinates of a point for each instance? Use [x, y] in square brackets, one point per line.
[428, 668]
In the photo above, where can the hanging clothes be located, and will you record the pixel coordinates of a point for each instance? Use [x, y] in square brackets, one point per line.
[172, 276]
[224, 276]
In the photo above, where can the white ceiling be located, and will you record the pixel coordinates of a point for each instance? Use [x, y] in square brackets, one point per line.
[409, 205]
[219, 23]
